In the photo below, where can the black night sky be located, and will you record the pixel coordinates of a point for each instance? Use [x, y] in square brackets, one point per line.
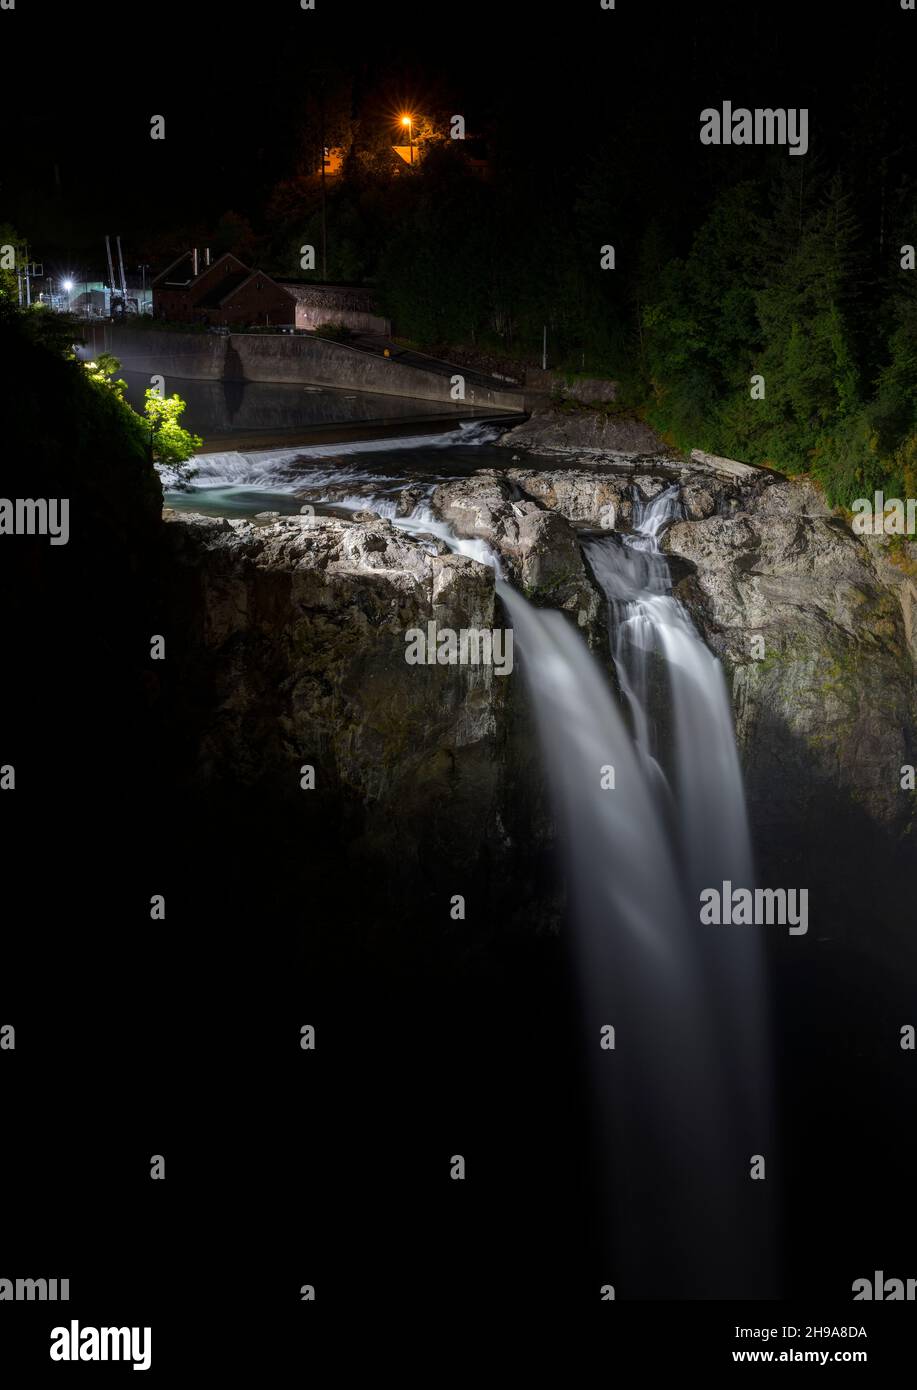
[548, 88]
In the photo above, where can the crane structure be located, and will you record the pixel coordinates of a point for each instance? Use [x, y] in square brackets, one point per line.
[120, 304]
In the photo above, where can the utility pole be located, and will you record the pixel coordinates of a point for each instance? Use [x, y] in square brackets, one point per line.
[118, 295]
[320, 74]
[121, 270]
[324, 224]
[111, 280]
[25, 269]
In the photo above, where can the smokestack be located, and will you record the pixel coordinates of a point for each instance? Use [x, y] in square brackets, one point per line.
[207, 255]
[195, 260]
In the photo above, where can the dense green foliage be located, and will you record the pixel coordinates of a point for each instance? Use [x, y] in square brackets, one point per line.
[171, 443]
[775, 286]
[159, 425]
[788, 276]
[92, 391]
[71, 437]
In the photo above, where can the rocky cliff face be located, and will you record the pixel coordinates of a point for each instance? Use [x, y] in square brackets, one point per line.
[293, 635]
[816, 641]
[815, 629]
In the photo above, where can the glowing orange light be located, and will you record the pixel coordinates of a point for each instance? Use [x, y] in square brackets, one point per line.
[405, 120]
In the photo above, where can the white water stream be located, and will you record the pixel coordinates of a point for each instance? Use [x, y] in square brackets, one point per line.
[683, 1101]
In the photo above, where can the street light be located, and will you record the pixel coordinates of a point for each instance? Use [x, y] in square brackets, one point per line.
[68, 286]
[407, 120]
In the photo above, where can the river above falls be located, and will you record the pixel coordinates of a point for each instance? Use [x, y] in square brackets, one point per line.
[344, 474]
[262, 415]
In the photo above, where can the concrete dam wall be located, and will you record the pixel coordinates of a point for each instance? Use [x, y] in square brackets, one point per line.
[282, 357]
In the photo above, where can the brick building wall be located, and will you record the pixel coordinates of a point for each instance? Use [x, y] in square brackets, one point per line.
[177, 296]
[229, 294]
[259, 301]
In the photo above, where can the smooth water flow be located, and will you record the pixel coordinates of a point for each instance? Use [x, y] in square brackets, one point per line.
[644, 775]
[285, 470]
[683, 1100]
[669, 675]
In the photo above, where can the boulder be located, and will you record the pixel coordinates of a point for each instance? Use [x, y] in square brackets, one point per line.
[583, 431]
[585, 498]
[538, 547]
[722, 465]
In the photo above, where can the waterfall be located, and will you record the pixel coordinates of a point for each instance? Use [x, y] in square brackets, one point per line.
[682, 1102]
[649, 629]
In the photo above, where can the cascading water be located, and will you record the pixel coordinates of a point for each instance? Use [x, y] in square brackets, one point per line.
[286, 469]
[648, 626]
[421, 522]
[683, 1100]
[651, 634]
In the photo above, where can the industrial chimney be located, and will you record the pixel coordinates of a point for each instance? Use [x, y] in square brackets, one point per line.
[195, 260]
[206, 255]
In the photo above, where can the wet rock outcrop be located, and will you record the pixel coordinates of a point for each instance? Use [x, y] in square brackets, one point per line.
[537, 545]
[815, 628]
[292, 634]
[557, 428]
[584, 497]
